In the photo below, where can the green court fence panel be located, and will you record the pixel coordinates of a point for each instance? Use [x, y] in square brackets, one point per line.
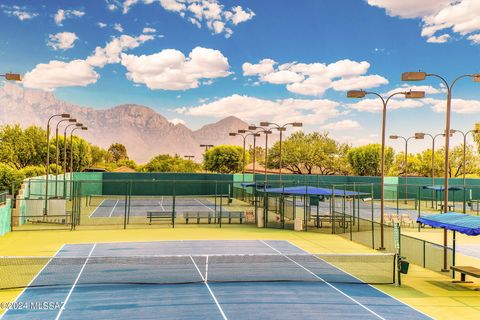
[5, 217]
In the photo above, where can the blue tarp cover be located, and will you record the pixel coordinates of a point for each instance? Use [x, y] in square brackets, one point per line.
[253, 184]
[461, 222]
[441, 188]
[313, 191]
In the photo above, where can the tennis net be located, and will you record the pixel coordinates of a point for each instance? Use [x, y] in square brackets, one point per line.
[20, 272]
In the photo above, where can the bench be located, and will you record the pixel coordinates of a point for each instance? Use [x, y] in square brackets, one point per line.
[464, 271]
[232, 215]
[161, 215]
[199, 215]
[328, 218]
[450, 207]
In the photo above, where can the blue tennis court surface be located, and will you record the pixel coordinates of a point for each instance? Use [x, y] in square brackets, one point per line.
[316, 299]
[116, 207]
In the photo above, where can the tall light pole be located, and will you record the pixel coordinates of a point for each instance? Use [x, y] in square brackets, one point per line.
[206, 146]
[394, 137]
[65, 157]
[61, 115]
[281, 128]
[189, 157]
[419, 76]
[244, 136]
[71, 156]
[255, 135]
[57, 152]
[421, 135]
[408, 95]
[464, 134]
[266, 132]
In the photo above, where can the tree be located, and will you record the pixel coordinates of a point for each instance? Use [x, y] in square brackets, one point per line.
[99, 155]
[455, 168]
[20, 148]
[366, 160]
[118, 152]
[167, 163]
[303, 153]
[224, 159]
[419, 164]
[10, 177]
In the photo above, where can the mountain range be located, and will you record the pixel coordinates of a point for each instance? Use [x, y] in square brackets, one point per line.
[144, 132]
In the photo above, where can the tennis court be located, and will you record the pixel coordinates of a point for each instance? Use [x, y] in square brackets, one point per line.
[210, 279]
[115, 206]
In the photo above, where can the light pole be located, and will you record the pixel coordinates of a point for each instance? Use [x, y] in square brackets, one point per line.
[464, 134]
[266, 132]
[421, 135]
[255, 135]
[71, 156]
[57, 153]
[62, 115]
[361, 94]
[244, 136]
[206, 146]
[65, 157]
[281, 128]
[394, 137]
[419, 76]
[189, 157]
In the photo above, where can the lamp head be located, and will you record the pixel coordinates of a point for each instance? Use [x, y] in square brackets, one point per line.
[256, 135]
[476, 77]
[79, 124]
[393, 137]
[232, 134]
[419, 135]
[252, 127]
[84, 128]
[415, 94]
[414, 76]
[356, 94]
[65, 115]
[297, 124]
[264, 124]
[268, 132]
[242, 131]
[13, 77]
[281, 129]
[72, 120]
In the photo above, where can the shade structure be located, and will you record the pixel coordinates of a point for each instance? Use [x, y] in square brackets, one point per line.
[314, 191]
[441, 188]
[463, 223]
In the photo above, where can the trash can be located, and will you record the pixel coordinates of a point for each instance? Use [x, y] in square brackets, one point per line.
[404, 264]
[298, 224]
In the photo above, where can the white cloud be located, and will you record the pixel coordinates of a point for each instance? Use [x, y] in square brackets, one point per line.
[169, 69]
[19, 12]
[112, 50]
[60, 74]
[210, 12]
[254, 109]
[461, 106]
[440, 39]
[176, 121]
[149, 30]
[459, 16]
[342, 125]
[474, 38]
[314, 79]
[102, 25]
[118, 27]
[62, 40]
[427, 89]
[62, 14]
[264, 67]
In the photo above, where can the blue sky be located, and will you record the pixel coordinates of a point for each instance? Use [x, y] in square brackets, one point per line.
[198, 61]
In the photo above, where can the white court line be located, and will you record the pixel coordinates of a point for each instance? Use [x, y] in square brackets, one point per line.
[36, 276]
[75, 283]
[205, 205]
[209, 290]
[161, 204]
[113, 209]
[390, 296]
[327, 283]
[101, 203]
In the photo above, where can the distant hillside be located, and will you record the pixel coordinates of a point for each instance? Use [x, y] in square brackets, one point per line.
[143, 131]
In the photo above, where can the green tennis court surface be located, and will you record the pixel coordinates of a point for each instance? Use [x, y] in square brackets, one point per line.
[200, 280]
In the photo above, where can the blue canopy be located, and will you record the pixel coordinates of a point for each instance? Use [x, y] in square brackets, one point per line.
[253, 184]
[463, 223]
[313, 191]
[441, 188]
